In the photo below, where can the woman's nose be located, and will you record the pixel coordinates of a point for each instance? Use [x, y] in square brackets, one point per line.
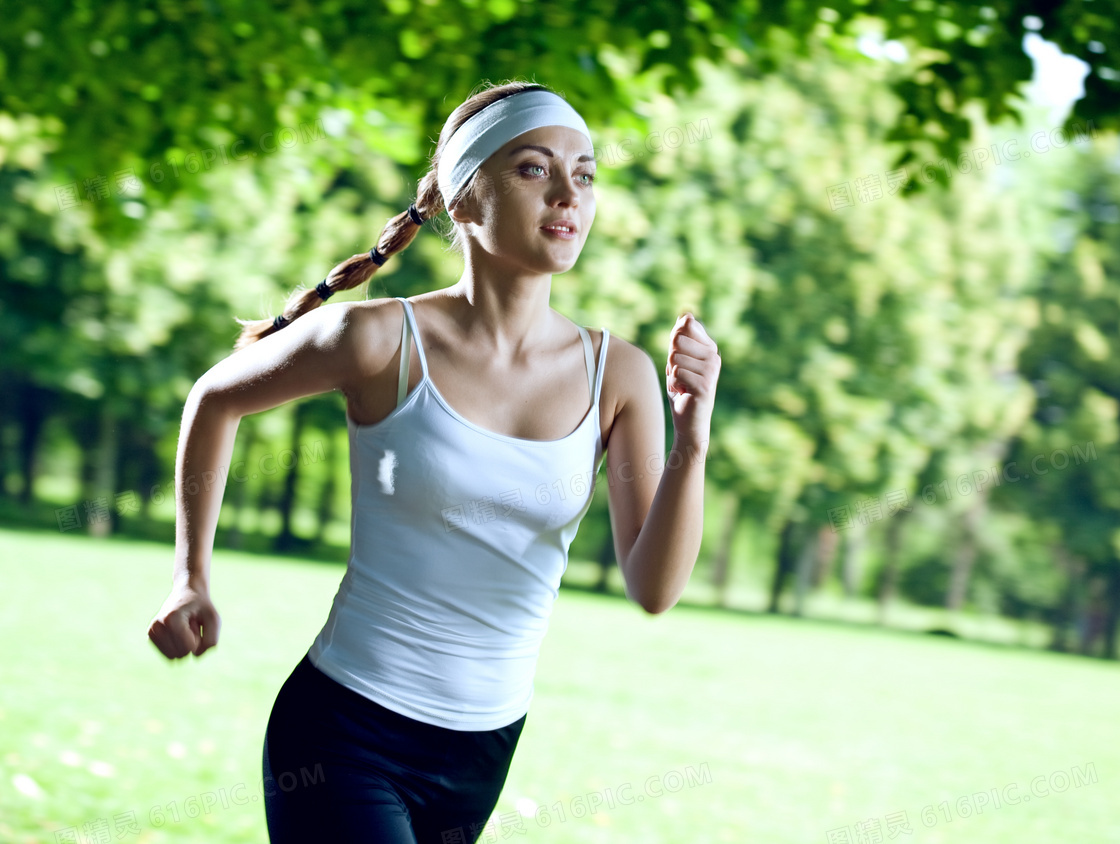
[564, 190]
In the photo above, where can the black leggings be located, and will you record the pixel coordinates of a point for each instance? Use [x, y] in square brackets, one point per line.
[342, 768]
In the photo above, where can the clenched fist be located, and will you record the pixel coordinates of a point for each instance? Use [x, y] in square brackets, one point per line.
[187, 623]
[691, 373]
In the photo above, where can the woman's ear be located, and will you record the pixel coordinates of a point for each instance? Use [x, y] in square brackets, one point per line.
[475, 197]
[465, 211]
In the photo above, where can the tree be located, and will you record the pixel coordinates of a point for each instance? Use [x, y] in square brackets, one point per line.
[1067, 456]
[385, 72]
[858, 342]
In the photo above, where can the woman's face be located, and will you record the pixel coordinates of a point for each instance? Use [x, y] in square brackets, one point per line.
[538, 178]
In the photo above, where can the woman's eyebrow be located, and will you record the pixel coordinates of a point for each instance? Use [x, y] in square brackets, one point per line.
[547, 151]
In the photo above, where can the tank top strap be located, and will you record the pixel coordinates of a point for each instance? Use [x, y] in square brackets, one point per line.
[602, 365]
[589, 358]
[409, 332]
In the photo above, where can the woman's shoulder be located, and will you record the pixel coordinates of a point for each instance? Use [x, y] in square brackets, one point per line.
[630, 380]
[370, 330]
[628, 365]
[624, 359]
[629, 375]
[378, 315]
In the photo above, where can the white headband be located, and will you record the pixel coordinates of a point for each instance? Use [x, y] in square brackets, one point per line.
[496, 125]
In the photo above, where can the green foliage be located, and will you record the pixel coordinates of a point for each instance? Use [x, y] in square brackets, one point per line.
[850, 336]
[884, 346]
[1071, 441]
[159, 80]
[926, 580]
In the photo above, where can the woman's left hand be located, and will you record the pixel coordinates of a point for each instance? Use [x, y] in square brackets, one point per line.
[691, 373]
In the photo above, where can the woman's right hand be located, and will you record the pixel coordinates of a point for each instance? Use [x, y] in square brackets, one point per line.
[187, 623]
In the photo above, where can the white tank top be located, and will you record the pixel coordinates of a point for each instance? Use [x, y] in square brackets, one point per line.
[459, 538]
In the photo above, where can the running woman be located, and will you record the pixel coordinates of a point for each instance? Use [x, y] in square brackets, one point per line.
[478, 418]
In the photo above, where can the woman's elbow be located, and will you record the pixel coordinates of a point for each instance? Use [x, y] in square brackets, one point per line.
[652, 604]
[205, 400]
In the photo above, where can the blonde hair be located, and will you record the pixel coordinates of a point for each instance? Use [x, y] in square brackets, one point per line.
[399, 230]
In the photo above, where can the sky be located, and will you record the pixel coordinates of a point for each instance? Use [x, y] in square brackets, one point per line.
[1058, 77]
[1058, 80]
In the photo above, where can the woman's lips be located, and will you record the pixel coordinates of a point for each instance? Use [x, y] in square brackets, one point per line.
[563, 235]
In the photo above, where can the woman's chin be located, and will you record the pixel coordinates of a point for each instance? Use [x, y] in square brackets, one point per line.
[562, 263]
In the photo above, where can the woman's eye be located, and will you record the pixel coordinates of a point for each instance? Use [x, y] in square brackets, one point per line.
[588, 177]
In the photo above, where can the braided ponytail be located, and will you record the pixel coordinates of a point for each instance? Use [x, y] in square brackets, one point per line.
[398, 232]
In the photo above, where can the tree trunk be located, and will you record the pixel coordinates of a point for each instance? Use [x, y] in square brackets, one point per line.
[854, 543]
[101, 514]
[1092, 623]
[606, 560]
[84, 430]
[806, 565]
[239, 477]
[326, 505]
[966, 555]
[828, 541]
[1067, 608]
[889, 582]
[785, 564]
[8, 458]
[134, 470]
[722, 559]
[286, 540]
[149, 472]
[1112, 616]
[32, 414]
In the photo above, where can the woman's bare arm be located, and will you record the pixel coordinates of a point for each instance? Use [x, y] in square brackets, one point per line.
[657, 501]
[308, 357]
[327, 349]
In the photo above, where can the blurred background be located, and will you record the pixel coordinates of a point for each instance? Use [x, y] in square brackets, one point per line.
[900, 221]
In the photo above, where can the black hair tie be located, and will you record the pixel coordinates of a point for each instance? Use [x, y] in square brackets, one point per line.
[414, 213]
[323, 290]
[280, 321]
[377, 257]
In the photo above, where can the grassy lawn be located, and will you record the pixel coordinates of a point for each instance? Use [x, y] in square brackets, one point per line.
[711, 726]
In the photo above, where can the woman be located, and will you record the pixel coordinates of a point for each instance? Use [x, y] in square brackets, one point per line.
[478, 418]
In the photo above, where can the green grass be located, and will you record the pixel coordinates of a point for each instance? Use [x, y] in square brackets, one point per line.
[788, 728]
